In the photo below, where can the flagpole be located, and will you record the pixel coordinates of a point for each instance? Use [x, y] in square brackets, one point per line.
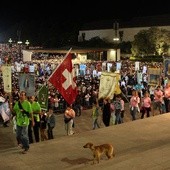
[59, 64]
[52, 73]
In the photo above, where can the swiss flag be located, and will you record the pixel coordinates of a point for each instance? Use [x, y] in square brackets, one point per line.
[63, 79]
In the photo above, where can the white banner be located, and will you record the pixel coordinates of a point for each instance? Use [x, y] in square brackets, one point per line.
[118, 66]
[139, 77]
[107, 85]
[137, 66]
[6, 75]
[27, 55]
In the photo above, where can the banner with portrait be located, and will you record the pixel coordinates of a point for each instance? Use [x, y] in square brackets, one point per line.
[167, 68]
[154, 76]
[27, 83]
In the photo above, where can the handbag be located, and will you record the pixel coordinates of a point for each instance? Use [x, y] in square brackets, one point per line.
[66, 120]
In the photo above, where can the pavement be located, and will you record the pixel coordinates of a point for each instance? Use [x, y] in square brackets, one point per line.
[140, 144]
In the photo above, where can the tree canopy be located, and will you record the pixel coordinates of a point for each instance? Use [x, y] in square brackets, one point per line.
[153, 41]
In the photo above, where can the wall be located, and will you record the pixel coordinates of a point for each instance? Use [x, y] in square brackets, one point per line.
[108, 34]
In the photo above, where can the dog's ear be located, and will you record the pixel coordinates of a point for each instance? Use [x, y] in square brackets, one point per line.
[91, 145]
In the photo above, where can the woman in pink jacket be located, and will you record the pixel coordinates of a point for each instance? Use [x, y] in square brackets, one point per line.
[146, 105]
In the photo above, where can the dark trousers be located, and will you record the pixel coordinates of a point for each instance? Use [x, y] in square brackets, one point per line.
[145, 110]
[30, 132]
[167, 102]
[50, 132]
[36, 129]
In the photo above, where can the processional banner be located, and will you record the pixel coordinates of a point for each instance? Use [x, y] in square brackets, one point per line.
[43, 97]
[6, 75]
[27, 83]
[167, 68]
[154, 76]
[109, 85]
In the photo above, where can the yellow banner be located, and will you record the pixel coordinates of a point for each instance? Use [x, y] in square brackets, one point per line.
[109, 85]
[6, 75]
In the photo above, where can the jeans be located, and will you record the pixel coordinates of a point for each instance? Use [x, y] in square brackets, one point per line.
[22, 136]
[133, 111]
[69, 127]
[118, 119]
[95, 123]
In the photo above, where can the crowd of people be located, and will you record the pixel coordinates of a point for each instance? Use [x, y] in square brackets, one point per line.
[32, 122]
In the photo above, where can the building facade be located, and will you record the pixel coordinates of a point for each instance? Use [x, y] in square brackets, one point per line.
[124, 30]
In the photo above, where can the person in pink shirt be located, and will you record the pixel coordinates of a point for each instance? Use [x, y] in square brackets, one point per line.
[158, 100]
[122, 109]
[167, 97]
[134, 104]
[146, 105]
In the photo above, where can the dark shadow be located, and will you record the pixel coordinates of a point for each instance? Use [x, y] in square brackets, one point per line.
[76, 161]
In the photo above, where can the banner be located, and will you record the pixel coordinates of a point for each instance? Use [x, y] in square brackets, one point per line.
[109, 67]
[139, 77]
[167, 67]
[27, 55]
[27, 83]
[64, 80]
[137, 66]
[118, 66]
[5, 111]
[154, 76]
[6, 75]
[43, 97]
[108, 85]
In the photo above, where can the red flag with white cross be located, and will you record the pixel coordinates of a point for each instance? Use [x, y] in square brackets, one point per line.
[64, 80]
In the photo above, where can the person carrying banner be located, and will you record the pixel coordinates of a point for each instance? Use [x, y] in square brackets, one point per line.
[23, 111]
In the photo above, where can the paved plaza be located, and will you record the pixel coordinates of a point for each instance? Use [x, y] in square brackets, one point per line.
[140, 144]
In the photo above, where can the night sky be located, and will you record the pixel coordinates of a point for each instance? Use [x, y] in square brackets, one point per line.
[76, 11]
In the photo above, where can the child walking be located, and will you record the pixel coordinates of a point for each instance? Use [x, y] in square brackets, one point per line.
[50, 123]
[95, 115]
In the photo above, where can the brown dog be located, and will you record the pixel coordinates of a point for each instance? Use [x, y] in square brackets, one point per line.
[100, 150]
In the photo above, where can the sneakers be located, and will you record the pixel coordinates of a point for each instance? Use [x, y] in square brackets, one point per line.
[71, 134]
[25, 151]
[5, 125]
[20, 146]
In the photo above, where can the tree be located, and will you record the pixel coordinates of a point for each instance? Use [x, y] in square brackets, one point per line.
[152, 41]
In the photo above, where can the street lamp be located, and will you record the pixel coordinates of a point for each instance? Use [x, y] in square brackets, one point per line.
[27, 43]
[19, 42]
[10, 42]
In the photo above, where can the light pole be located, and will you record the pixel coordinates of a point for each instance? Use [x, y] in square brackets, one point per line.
[116, 40]
[19, 48]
